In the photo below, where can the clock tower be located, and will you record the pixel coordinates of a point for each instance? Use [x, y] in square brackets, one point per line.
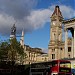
[55, 45]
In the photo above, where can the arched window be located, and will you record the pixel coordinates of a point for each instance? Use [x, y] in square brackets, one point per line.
[61, 48]
[54, 37]
[69, 55]
[53, 56]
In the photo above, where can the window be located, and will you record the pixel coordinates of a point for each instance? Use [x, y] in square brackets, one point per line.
[34, 55]
[61, 48]
[53, 56]
[65, 64]
[69, 55]
[69, 49]
[45, 59]
[53, 50]
[54, 37]
[54, 63]
[29, 54]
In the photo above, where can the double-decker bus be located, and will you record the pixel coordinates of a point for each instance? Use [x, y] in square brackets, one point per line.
[55, 67]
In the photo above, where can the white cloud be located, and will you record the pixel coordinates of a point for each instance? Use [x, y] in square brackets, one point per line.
[5, 23]
[44, 50]
[39, 17]
[36, 19]
[67, 11]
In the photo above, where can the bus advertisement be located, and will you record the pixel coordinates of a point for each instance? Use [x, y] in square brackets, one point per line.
[55, 67]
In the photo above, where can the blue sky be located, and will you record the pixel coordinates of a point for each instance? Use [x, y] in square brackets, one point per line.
[34, 17]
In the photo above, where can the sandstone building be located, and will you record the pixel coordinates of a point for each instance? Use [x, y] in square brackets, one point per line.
[57, 48]
[56, 45]
[32, 53]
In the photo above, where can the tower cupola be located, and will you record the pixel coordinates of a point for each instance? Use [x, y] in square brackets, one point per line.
[57, 13]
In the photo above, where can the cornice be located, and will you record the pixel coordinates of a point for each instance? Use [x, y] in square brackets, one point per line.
[68, 21]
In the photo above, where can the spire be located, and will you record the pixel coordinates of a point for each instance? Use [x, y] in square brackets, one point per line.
[22, 38]
[57, 12]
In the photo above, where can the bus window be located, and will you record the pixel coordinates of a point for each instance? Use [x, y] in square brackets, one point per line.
[54, 63]
[65, 64]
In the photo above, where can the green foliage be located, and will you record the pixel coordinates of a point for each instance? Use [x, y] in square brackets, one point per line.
[15, 45]
[10, 49]
[4, 46]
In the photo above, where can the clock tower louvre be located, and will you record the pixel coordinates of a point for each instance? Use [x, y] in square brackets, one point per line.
[55, 43]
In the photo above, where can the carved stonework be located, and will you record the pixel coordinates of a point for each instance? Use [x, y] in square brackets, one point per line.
[13, 30]
[56, 34]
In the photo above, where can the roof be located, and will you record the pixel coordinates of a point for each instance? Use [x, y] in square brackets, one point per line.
[51, 61]
[69, 59]
[57, 11]
[61, 60]
[69, 20]
[37, 50]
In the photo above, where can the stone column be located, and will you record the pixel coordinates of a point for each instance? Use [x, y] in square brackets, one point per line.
[74, 42]
[72, 50]
[66, 44]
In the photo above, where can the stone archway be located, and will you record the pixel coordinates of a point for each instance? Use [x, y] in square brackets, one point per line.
[69, 25]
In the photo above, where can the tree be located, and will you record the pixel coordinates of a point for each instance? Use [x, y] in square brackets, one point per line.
[16, 49]
[11, 50]
[3, 50]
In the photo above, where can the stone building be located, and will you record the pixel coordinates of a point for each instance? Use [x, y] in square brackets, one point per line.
[32, 54]
[69, 25]
[56, 45]
[59, 49]
[42, 57]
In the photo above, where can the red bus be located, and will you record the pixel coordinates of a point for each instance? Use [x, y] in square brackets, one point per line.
[55, 67]
[60, 67]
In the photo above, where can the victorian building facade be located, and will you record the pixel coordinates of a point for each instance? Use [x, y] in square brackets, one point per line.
[57, 48]
[56, 45]
[33, 55]
[70, 25]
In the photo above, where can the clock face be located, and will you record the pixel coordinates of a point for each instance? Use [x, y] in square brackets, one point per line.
[53, 22]
[60, 24]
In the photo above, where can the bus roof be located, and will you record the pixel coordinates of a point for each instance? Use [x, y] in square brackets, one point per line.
[62, 60]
